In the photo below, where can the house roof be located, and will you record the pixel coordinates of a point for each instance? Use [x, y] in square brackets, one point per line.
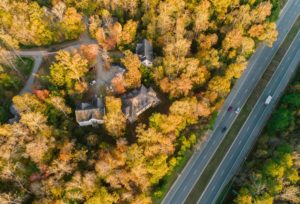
[137, 101]
[87, 111]
[145, 50]
[88, 114]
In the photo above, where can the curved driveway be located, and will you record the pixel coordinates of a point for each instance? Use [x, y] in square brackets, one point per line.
[38, 53]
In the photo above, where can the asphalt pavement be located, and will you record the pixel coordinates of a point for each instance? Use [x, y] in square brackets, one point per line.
[237, 98]
[254, 124]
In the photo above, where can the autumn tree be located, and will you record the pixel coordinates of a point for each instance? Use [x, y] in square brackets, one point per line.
[261, 12]
[221, 6]
[115, 121]
[264, 32]
[124, 167]
[118, 84]
[132, 76]
[154, 142]
[122, 7]
[95, 21]
[187, 108]
[219, 85]
[90, 52]
[180, 78]
[244, 197]
[202, 15]
[59, 9]
[129, 32]
[28, 103]
[68, 71]
[107, 32]
[200, 47]
[235, 70]
[59, 104]
[102, 196]
[72, 24]
[35, 25]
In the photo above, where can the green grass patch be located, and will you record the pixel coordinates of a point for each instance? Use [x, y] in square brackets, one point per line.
[232, 133]
[25, 65]
[224, 193]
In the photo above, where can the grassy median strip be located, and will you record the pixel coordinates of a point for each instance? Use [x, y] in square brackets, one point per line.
[232, 133]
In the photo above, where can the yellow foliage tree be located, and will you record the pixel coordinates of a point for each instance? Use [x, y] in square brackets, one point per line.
[115, 121]
[132, 76]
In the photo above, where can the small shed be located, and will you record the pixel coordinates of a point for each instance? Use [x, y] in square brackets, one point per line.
[145, 52]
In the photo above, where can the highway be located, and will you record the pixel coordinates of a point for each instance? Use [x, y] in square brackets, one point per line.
[254, 124]
[237, 98]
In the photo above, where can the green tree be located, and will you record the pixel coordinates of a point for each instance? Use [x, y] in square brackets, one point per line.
[280, 121]
[292, 100]
[3, 114]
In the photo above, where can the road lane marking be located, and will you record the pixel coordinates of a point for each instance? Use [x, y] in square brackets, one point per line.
[195, 172]
[222, 172]
[204, 156]
[213, 188]
[248, 129]
[184, 188]
[202, 194]
[239, 142]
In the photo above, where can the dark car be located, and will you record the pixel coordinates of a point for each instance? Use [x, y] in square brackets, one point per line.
[224, 129]
[230, 108]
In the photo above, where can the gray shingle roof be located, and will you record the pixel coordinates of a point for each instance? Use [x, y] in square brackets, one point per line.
[88, 114]
[88, 111]
[145, 50]
[138, 101]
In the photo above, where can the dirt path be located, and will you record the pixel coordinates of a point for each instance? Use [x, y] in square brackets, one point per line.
[37, 63]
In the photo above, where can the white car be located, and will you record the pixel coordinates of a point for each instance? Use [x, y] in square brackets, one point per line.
[93, 82]
[237, 111]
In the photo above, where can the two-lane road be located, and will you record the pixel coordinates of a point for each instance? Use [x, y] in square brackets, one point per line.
[253, 125]
[237, 98]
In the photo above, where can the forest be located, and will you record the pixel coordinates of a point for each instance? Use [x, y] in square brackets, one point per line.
[200, 48]
[270, 175]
